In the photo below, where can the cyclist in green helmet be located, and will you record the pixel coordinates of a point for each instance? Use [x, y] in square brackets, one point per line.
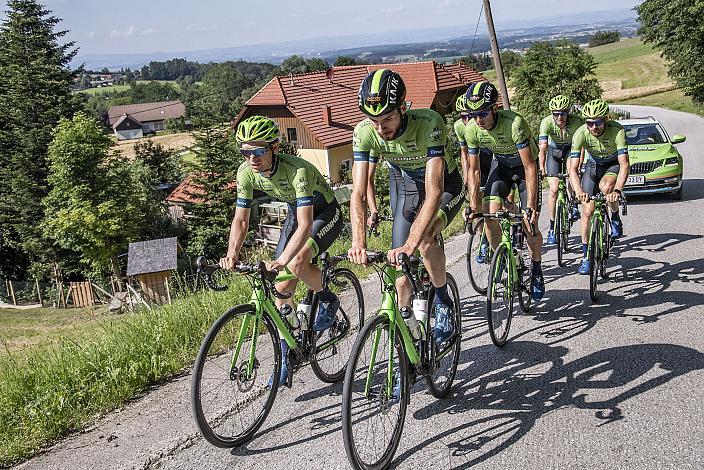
[555, 141]
[508, 136]
[606, 169]
[425, 183]
[312, 223]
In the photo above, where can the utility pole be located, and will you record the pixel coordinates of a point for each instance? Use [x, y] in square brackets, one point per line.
[497, 57]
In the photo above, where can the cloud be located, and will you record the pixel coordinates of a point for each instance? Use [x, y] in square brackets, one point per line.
[150, 31]
[123, 34]
[199, 29]
[91, 34]
[392, 9]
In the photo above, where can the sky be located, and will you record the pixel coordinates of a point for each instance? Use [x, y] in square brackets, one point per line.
[131, 26]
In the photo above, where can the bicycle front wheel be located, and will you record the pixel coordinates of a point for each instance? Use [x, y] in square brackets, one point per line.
[594, 260]
[444, 357]
[333, 346]
[499, 297]
[230, 391]
[478, 261]
[375, 396]
[560, 228]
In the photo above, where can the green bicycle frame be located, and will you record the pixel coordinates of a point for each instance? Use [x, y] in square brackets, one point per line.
[597, 218]
[390, 309]
[262, 305]
[506, 241]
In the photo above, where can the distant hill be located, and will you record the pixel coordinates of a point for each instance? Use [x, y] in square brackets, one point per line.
[331, 47]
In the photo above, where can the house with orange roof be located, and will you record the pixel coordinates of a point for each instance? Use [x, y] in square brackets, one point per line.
[317, 111]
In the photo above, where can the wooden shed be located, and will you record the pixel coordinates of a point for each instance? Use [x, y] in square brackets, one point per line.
[152, 262]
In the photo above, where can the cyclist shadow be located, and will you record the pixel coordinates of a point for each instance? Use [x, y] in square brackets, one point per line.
[655, 243]
[509, 389]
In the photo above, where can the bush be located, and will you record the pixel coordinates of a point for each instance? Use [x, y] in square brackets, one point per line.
[604, 37]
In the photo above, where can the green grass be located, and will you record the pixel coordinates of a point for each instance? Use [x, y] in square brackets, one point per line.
[121, 88]
[617, 51]
[639, 71]
[50, 389]
[22, 329]
[675, 100]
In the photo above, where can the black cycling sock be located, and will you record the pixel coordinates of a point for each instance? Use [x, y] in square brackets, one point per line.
[441, 296]
[325, 295]
[537, 266]
[585, 247]
[615, 216]
[552, 224]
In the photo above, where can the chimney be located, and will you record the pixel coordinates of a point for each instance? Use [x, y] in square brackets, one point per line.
[327, 115]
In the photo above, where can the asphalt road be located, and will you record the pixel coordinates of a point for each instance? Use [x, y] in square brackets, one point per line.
[616, 384]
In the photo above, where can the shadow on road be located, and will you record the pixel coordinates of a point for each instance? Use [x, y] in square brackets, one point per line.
[525, 380]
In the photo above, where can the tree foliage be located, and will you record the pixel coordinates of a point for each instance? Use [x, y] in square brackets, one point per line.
[604, 37]
[551, 69]
[97, 202]
[297, 64]
[676, 28]
[35, 93]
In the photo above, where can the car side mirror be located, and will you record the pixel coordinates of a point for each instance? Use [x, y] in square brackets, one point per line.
[678, 139]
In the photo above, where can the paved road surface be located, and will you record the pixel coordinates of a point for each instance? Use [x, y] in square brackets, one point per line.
[612, 385]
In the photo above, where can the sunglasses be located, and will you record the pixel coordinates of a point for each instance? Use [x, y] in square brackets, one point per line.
[481, 114]
[465, 117]
[559, 113]
[256, 152]
[595, 123]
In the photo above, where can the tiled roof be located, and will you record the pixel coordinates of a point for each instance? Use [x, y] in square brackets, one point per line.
[152, 256]
[306, 95]
[187, 192]
[146, 112]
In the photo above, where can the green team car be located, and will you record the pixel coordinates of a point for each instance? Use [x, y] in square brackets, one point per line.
[656, 165]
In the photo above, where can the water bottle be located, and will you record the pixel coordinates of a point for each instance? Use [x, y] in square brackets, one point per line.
[420, 312]
[411, 322]
[303, 314]
[288, 314]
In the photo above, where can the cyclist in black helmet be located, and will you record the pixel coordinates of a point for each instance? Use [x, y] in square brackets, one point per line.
[508, 136]
[426, 187]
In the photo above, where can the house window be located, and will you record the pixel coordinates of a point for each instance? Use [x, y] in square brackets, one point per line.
[292, 135]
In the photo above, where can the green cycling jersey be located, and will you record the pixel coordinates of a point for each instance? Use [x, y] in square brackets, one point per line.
[422, 137]
[552, 133]
[459, 132]
[603, 149]
[292, 180]
[510, 134]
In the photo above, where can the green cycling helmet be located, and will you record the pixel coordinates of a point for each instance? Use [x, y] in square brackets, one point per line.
[460, 104]
[381, 92]
[257, 128]
[595, 109]
[559, 103]
[481, 96]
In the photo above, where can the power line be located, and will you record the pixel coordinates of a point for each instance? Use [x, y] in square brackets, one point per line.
[476, 29]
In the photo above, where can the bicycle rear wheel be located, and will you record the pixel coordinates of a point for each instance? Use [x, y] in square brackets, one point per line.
[523, 267]
[499, 297]
[478, 269]
[333, 346]
[594, 260]
[444, 358]
[374, 396]
[231, 396]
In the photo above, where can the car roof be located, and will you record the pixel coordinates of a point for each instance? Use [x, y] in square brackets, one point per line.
[638, 120]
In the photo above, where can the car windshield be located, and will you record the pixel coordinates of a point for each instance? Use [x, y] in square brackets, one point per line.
[639, 134]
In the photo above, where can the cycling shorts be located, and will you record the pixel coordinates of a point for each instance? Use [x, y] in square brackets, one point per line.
[594, 172]
[407, 196]
[327, 225]
[501, 180]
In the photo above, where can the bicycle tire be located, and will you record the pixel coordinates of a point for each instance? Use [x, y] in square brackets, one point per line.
[329, 364]
[606, 247]
[440, 390]
[352, 417]
[211, 427]
[523, 288]
[478, 273]
[559, 228]
[499, 279]
[593, 260]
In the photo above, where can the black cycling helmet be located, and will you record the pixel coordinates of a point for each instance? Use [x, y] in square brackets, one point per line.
[481, 96]
[381, 91]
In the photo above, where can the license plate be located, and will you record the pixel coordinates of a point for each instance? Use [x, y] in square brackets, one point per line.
[635, 180]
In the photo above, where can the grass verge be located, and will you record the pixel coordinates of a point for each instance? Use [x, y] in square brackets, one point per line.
[49, 390]
[674, 100]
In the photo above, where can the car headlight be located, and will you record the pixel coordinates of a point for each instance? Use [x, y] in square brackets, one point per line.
[672, 161]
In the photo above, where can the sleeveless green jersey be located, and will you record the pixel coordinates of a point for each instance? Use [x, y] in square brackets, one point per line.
[602, 149]
[550, 132]
[510, 134]
[292, 180]
[422, 137]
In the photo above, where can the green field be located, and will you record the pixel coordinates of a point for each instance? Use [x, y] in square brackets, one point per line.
[631, 62]
[626, 49]
[120, 88]
[675, 100]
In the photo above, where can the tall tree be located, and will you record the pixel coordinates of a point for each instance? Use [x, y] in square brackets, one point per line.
[98, 201]
[551, 69]
[676, 28]
[35, 93]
